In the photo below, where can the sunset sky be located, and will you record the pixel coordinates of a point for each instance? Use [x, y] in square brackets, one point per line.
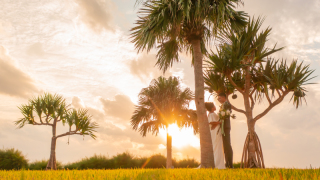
[82, 50]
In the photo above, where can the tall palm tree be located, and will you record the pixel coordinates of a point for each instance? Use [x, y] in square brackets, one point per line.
[163, 103]
[50, 110]
[174, 26]
[242, 64]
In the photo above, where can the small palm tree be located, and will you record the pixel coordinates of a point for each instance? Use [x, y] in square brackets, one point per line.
[50, 110]
[161, 104]
[241, 65]
[174, 26]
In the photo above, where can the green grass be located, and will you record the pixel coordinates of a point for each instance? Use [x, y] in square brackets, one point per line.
[183, 174]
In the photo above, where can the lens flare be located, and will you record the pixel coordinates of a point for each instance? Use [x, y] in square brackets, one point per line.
[181, 137]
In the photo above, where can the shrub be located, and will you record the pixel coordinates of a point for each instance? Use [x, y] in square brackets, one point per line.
[236, 165]
[41, 165]
[156, 161]
[187, 163]
[125, 160]
[94, 162]
[12, 159]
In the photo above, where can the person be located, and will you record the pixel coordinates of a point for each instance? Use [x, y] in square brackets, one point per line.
[216, 137]
[228, 152]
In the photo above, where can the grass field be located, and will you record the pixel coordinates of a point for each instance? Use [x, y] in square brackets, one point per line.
[183, 174]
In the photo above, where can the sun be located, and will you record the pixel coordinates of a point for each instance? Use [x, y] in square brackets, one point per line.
[181, 137]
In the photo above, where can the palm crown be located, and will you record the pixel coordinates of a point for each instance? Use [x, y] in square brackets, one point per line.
[48, 107]
[161, 104]
[171, 25]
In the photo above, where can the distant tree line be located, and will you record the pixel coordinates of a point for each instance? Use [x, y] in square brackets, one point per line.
[11, 159]
[128, 161]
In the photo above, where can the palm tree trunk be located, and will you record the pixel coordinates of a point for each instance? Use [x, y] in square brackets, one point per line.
[169, 151]
[207, 159]
[52, 165]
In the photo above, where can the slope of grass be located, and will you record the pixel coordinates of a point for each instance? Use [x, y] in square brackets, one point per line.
[183, 174]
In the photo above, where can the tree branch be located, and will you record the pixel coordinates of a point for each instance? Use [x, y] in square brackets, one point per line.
[69, 133]
[238, 110]
[38, 124]
[234, 84]
[40, 119]
[276, 102]
[47, 118]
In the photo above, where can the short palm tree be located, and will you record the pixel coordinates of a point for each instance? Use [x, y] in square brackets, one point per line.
[50, 110]
[242, 64]
[174, 26]
[163, 103]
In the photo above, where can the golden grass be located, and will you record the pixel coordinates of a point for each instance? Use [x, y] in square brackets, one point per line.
[152, 174]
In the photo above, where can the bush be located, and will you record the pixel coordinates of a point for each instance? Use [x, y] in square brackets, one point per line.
[127, 161]
[155, 161]
[236, 165]
[12, 159]
[94, 162]
[187, 163]
[41, 165]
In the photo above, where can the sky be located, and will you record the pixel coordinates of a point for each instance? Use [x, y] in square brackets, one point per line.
[82, 50]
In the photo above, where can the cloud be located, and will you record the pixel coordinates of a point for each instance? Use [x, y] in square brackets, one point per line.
[4, 27]
[114, 113]
[77, 102]
[185, 71]
[121, 107]
[144, 67]
[294, 23]
[36, 50]
[98, 115]
[14, 81]
[96, 14]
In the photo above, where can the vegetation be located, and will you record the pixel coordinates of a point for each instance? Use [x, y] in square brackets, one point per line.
[163, 103]
[12, 159]
[177, 26]
[179, 174]
[50, 110]
[42, 165]
[242, 64]
[128, 161]
[9, 161]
